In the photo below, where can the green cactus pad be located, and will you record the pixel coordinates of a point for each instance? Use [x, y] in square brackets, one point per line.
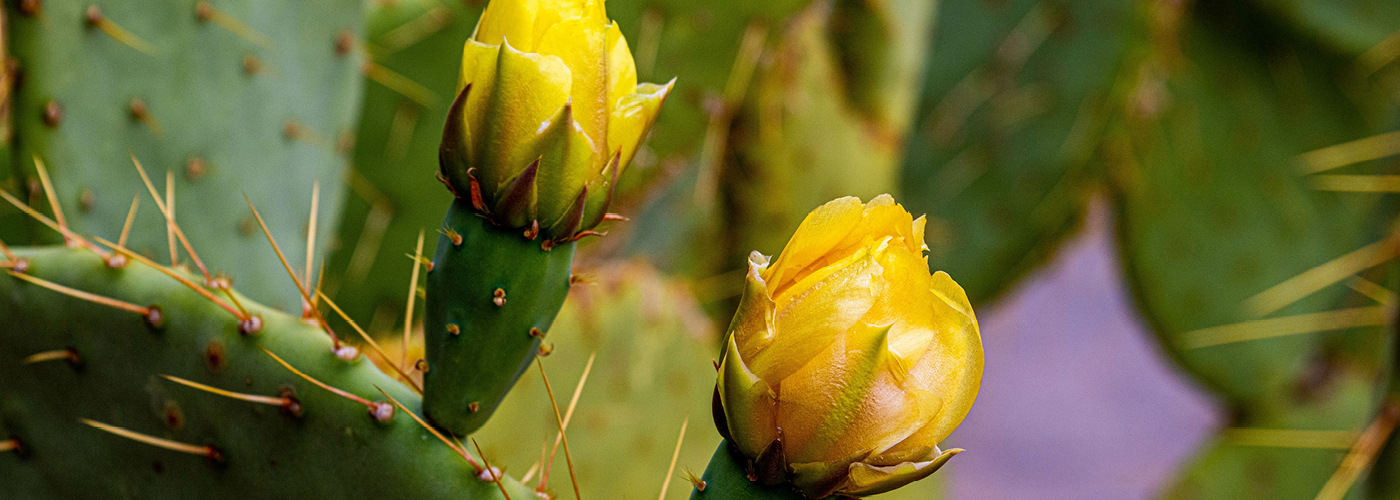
[235, 97]
[492, 295]
[1214, 210]
[1016, 95]
[332, 449]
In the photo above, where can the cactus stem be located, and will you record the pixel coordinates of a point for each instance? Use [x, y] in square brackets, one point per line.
[283, 258]
[285, 402]
[1357, 183]
[1347, 153]
[140, 113]
[499, 297]
[675, 455]
[67, 354]
[492, 472]
[209, 452]
[1363, 453]
[461, 452]
[174, 275]
[52, 197]
[398, 83]
[167, 209]
[67, 235]
[398, 367]
[1304, 284]
[79, 294]
[1288, 325]
[308, 306]
[558, 419]
[97, 20]
[10, 445]
[412, 296]
[381, 411]
[205, 12]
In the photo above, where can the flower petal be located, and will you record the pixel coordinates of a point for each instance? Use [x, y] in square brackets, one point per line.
[752, 326]
[513, 20]
[866, 479]
[821, 231]
[952, 365]
[527, 91]
[850, 399]
[579, 43]
[812, 313]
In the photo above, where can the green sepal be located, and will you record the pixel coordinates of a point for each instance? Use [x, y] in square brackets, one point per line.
[470, 371]
[726, 478]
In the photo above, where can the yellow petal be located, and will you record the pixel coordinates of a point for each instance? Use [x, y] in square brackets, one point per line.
[579, 43]
[512, 20]
[850, 399]
[622, 70]
[821, 231]
[905, 302]
[752, 326]
[813, 312]
[527, 91]
[748, 403]
[952, 365]
[867, 479]
[632, 118]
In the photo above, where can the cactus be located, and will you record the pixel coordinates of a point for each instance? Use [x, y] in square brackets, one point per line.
[115, 366]
[1000, 157]
[235, 97]
[1216, 221]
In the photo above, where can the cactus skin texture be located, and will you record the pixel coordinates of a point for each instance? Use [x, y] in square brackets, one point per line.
[262, 111]
[335, 449]
[1213, 212]
[999, 159]
[492, 295]
[368, 271]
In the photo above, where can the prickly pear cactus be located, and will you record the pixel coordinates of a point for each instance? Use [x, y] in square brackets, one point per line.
[1237, 257]
[233, 97]
[827, 116]
[413, 49]
[73, 367]
[1014, 100]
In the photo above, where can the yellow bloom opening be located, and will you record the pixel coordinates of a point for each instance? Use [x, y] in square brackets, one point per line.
[548, 114]
[848, 362]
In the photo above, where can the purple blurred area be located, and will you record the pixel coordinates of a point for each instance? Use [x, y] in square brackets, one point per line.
[1077, 401]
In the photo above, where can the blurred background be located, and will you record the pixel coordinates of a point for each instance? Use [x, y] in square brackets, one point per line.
[1176, 220]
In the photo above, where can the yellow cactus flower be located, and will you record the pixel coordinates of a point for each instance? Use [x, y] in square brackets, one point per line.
[548, 114]
[847, 362]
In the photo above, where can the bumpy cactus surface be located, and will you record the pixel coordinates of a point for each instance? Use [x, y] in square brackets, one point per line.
[234, 97]
[116, 366]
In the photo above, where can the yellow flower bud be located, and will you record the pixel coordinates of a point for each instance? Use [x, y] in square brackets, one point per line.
[847, 362]
[548, 114]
